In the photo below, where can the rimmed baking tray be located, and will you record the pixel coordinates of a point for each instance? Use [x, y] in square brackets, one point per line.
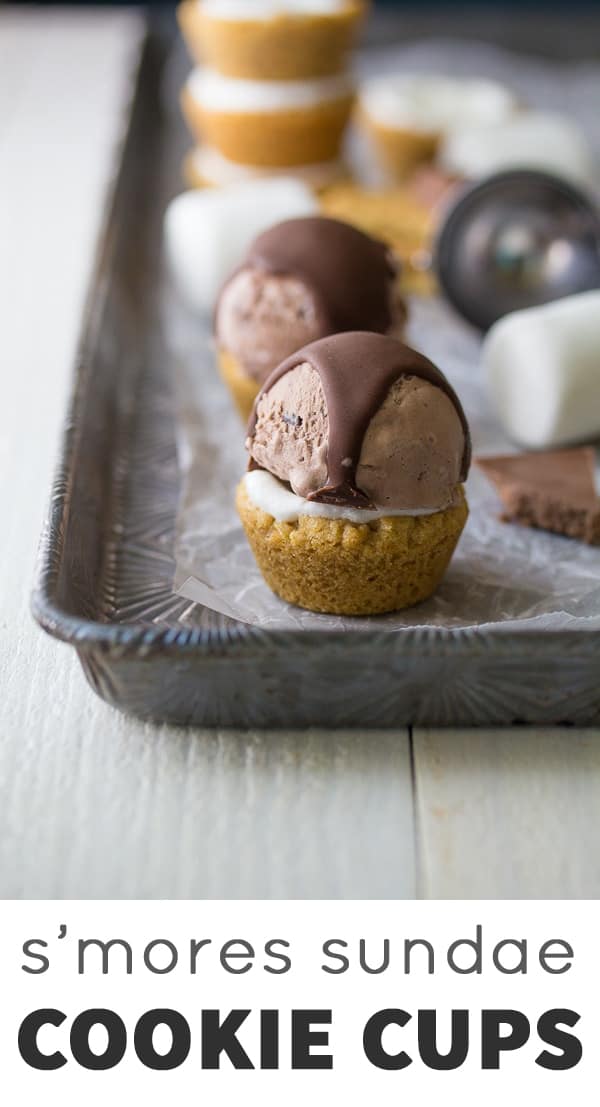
[106, 561]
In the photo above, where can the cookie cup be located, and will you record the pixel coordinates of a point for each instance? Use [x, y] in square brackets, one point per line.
[243, 388]
[272, 139]
[342, 568]
[399, 150]
[282, 48]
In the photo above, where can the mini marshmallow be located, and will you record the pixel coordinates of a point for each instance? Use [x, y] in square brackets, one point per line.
[208, 231]
[543, 371]
[528, 140]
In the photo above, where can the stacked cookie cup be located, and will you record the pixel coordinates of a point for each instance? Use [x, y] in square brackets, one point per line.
[271, 93]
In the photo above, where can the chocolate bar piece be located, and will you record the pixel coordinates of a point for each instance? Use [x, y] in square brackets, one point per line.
[554, 490]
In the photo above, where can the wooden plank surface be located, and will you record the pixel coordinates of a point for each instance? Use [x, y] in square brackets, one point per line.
[93, 803]
[120, 809]
[505, 814]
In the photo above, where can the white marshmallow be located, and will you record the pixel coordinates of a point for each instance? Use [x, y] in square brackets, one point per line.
[528, 140]
[208, 231]
[430, 104]
[213, 167]
[543, 371]
[271, 496]
[214, 92]
[269, 9]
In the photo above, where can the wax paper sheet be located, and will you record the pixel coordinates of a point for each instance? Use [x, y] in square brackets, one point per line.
[500, 574]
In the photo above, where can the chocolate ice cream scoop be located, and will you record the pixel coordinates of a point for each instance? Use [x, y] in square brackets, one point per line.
[302, 280]
[360, 419]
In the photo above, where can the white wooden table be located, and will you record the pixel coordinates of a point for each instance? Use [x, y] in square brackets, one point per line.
[93, 804]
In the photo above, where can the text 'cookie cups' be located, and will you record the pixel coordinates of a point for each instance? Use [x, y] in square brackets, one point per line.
[269, 43]
[301, 280]
[268, 123]
[354, 502]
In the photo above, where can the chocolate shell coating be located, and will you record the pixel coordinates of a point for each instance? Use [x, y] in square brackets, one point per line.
[356, 370]
[349, 273]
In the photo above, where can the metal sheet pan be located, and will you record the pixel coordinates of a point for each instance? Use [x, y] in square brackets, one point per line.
[106, 560]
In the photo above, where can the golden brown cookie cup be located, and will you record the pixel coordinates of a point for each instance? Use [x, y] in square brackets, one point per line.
[287, 47]
[399, 150]
[288, 137]
[243, 388]
[343, 568]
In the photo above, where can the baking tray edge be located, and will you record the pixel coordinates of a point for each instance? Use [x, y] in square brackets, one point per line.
[242, 676]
